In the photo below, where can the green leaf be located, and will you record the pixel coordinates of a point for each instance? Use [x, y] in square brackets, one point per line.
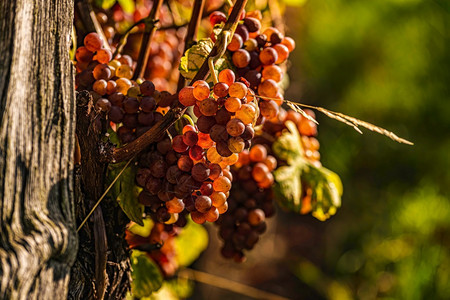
[143, 230]
[126, 192]
[288, 146]
[190, 243]
[127, 5]
[105, 4]
[287, 187]
[146, 275]
[326, 191]
[195, 56]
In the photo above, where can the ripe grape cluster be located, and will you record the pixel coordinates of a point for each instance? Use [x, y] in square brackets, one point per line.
[165, 49]
[135, 105]
[178, 179]
[259, 57]
[250, 203]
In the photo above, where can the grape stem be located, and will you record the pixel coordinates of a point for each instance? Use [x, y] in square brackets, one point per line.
[153, 134]
[90, 22]
[123, 39]
[191, 35]
[150, 27]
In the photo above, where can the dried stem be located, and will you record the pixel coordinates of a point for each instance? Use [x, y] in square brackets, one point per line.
[191, 35]
[150, 28]
[227, 284]
[129, 150]
[90, 22]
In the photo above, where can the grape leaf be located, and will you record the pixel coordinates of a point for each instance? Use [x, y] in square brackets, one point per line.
[190, 243]
[194, 57]
[300, 173]
[126, 192]
[146, 275]
[287, 187]
[288, 147]
[105, 4]
[326, 191]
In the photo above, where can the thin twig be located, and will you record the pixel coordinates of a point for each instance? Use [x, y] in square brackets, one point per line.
[104, 194]
[123, 39]
[227, 284]
[90, 22]
[191, 35]
[150, 27]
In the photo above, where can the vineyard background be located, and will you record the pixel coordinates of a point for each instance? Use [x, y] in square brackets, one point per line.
[385, 62]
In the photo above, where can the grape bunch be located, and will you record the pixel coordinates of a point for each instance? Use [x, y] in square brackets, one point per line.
[166, 47]
[177, 179]
[227, 116]
[250, 202]
[134, 105]
[259, 57]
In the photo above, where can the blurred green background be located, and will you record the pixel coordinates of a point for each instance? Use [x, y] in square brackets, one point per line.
[385, 62]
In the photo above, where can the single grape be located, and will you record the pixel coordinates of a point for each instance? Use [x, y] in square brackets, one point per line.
[204, 140]
[268, 88]
[178, 144]
[185, 163]
[241, 58]
[221, 89]
[289, 43]
[218, 133]
[205, 123]
[93, 42]
[222, 116]
[233, 104]
[196, 153]
[268, 109]
[83, 54]
[227, 76]
[236, 144]
[208, 107]
[103, 56]
[247, 114]
[131, 105]
[238, 90]
[235, 127]
[186, 96]
[147, 88]
[236, 43]
[258, 153]
[222, 184]
[268, 56]
[282, 52]
[201, 90]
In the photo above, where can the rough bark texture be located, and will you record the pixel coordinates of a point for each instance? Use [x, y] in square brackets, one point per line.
[37, 126]
[102, 267]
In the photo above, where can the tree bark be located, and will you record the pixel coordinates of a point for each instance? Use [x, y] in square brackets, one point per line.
[37, 134]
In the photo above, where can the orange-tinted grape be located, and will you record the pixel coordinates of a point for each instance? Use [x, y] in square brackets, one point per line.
[256, 217]
[111, 87]
[83, 54]
[230, 160]
[268, 88]
[124, 71]
[103, 56]
[273, 72]
[259, 171]
[268, 32]
[201, 90]
[289, 43]
[282, 52]
[101, 71]
[198, 217]
[221, 89]
[270, 162]
[178, 145]
[236, 144]
[235, 127]
[251, 45]
[218, 199]
[212, 214]
[238, 90]
[227, 76]
[186, 96]
[241, 58]
[215, 171]
[126, 60]
[93, 42]
[247, 114]
[222, 184]
[100, 86]
[123, 84]
[268, 56]
[208, 107]
[222, 209]
[204, 140]
[267, 181]
[258, 153]
[175, 205]
[236, 43]
[233, 104]
[269, 109]
[187, 128]
[213, 156]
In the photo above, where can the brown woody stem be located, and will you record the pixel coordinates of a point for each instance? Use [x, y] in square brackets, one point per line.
[191, 35]
[150, 28]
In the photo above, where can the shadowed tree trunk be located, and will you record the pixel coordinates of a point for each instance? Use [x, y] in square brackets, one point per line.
[37, 130]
